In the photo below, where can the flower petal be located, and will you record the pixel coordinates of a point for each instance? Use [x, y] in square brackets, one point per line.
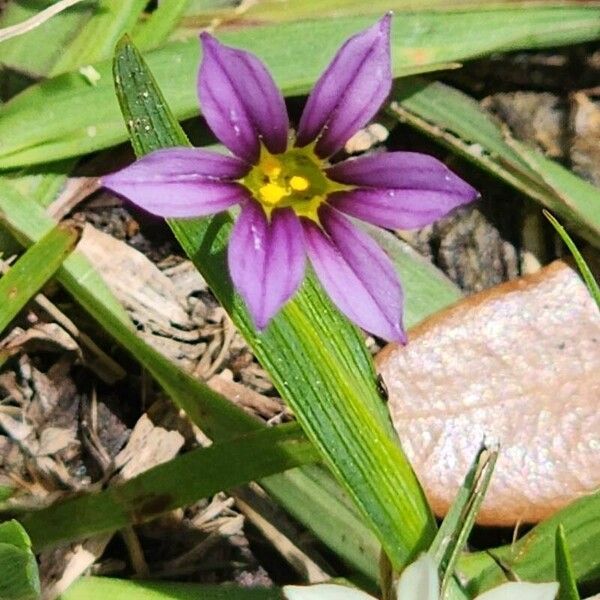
[240, 100]
[350, 91]
[419, 581]
[403, 190]
[324, 591]
[266, 260]
[181, 182]
[523, 590]
[357, 274]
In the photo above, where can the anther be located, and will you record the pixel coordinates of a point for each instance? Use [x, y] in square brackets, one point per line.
[299, 184]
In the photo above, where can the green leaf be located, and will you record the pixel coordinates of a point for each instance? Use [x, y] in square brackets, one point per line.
[462, 125]
[23, 53]
[316, 359]
[33, 270]
[564, 568]
[585, 270]
[296, 53]
[458, 523]
[286, 10]
[313, 497]
[169, 485]
[530, 559]
[162, 21]
[96, 39]
[13, 534]
[100, 588]
[19, 580]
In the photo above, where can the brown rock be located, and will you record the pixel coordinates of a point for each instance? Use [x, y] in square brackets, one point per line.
[519, 363]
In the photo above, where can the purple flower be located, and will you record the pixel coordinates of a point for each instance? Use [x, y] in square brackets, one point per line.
[293, 202]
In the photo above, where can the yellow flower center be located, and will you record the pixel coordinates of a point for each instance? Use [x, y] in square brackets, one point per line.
[294, 179]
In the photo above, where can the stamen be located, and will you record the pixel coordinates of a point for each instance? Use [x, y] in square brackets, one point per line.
[271, 166]
[298, 183]
[271, 193]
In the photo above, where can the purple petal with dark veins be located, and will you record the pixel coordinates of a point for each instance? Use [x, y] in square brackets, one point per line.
[240, 100]
[403, 190]
[357, 275]
[350, 91]
[266, 260]
[181, 182]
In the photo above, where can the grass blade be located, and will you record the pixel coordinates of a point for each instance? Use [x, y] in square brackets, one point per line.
[585, 270]
[529, 558]
[96, 39]
[100, 588]
[21, 57]
[458, 523]
[564, 568]
[159, 25]
[462, 125]
[316, 359]
[33, 270]
[169, 485]
[296, 53]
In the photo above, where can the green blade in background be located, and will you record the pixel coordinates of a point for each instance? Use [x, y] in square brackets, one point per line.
[584, 269]
[27, 276]
[564, 567]
[456, 527]
[23, 53]
[529, 557]
[100, 588]
[95, 40]
[268, 11]
[170, 485]
[458, 122]
[296, 53]
[160, 24]
[315, 358]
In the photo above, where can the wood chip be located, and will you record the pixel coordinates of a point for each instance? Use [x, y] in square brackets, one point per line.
[147, 447]
[518, 363]
[150, 297]
[251, 401]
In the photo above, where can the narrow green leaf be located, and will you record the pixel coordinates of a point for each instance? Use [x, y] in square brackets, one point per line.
[311, 496]
[100, 588]
[26, 277]
[96, 39]
[23, 54]
[316, 359]
[20, 579]
[169, 485]
[462, 125]
[529, 557]
[458, 523]
[296, 53]
[286, 10]
[564, 568]
[156, 29]
[585, 270]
